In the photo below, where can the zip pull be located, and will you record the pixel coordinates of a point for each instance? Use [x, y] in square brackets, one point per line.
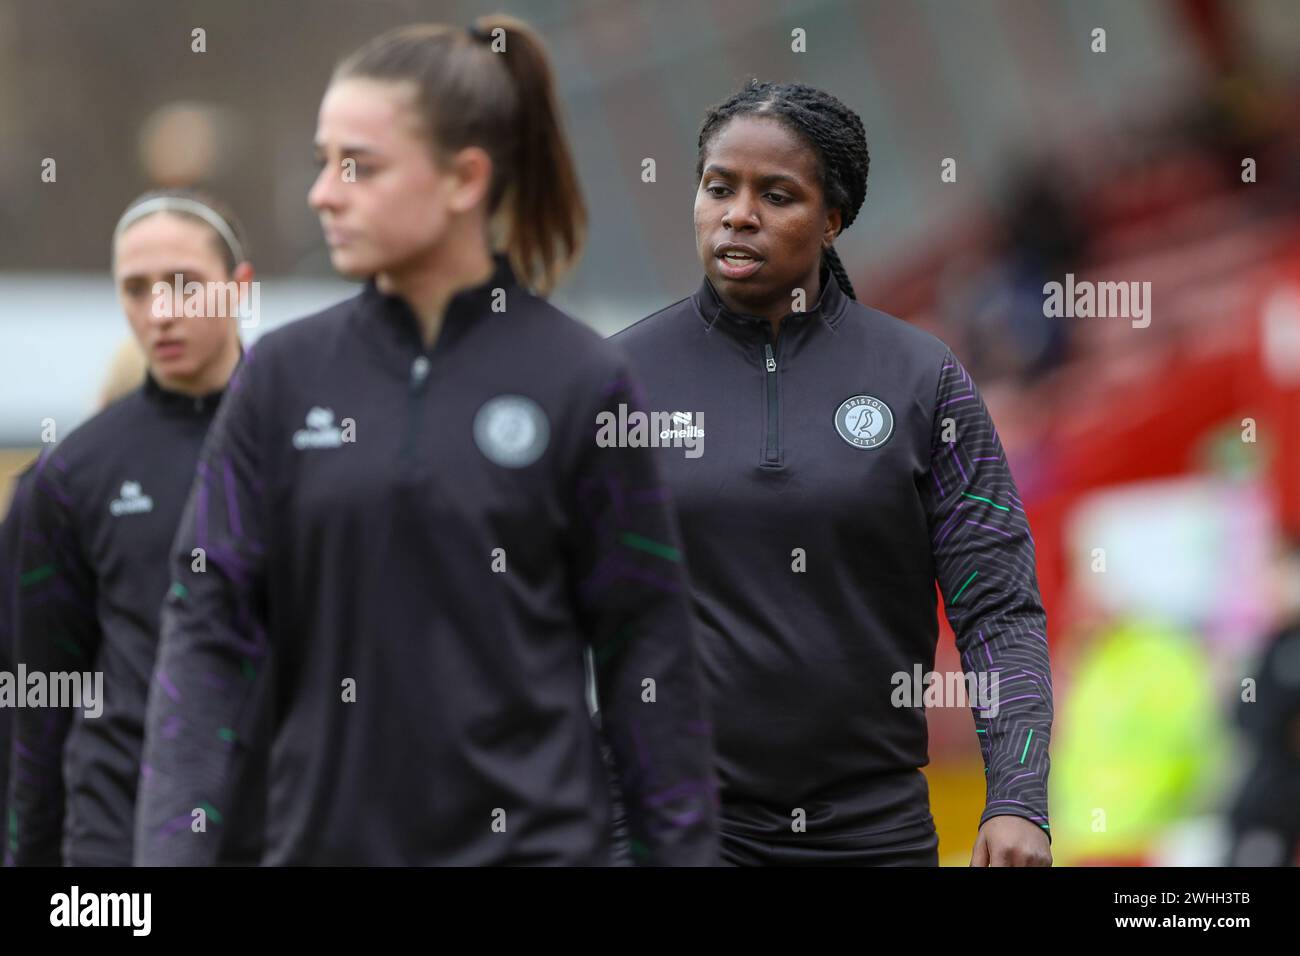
[419, 371]
[771, 359]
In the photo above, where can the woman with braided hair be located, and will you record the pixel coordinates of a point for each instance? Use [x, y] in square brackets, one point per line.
[843, 461]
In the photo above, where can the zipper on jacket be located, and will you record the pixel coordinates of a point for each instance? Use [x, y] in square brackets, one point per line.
[418, 377]
[773, 452]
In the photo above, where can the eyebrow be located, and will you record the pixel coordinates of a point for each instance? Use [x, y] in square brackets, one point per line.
[185, 270]
[767, 180]
[349, 150]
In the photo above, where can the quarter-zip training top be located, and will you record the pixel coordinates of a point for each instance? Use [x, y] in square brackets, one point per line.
[424, 542]
[97, 529]
[845, 466]
[9, 539]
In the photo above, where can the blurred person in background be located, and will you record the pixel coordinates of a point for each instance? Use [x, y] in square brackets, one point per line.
[1139, 742]
[125, 373]
[97, 525]
[997, 310]
[1264, 817]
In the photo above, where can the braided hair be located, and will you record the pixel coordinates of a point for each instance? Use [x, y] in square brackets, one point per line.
[833, 130]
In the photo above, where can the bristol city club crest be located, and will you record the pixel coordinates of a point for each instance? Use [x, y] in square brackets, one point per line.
[511, 430]
[864, 421]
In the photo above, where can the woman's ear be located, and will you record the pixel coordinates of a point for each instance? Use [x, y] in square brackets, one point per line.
[471, 175]
[833, 220]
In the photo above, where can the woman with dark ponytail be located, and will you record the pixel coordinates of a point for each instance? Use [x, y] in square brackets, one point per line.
[405, 515]
[844, 461]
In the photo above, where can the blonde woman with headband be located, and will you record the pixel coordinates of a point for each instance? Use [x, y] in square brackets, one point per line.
[96, 526]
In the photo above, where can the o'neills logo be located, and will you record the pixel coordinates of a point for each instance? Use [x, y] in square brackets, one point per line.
[640, 429]
[321, 432]
[132, 502]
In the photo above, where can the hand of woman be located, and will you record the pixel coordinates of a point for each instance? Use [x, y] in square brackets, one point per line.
[1011, 841]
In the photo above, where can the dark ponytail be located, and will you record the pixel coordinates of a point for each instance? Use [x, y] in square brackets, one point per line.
[495, 90]
[834, 132]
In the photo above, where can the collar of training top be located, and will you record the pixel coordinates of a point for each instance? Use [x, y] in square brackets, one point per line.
[179, 401]
[829, 307]
[465, 306]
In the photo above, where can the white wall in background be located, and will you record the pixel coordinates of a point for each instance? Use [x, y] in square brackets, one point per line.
[58, 332]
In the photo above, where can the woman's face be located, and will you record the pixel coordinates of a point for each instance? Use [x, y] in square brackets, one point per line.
[760, 192]
[179, 348]
[383, 201]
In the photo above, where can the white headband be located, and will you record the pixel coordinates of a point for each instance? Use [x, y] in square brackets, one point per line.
[179, 204]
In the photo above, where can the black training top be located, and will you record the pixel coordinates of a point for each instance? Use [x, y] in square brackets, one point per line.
[843, 468]
[9, 537]
[424, 541]
[97, 530]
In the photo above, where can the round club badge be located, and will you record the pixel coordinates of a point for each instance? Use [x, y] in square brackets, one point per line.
[511, 430]
[864, 422]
